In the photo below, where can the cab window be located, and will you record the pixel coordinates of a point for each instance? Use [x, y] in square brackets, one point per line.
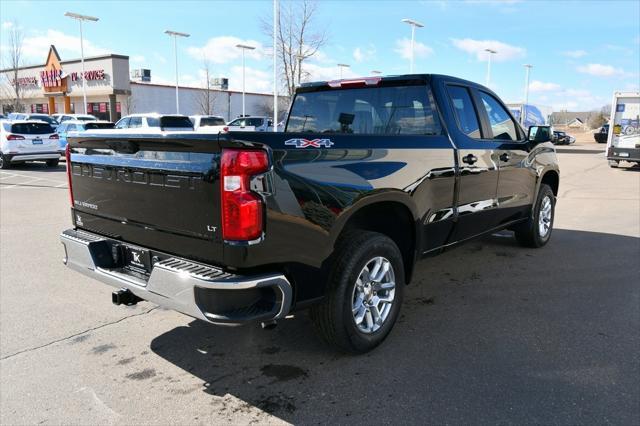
[502, 126]
[465, 111]
[123, 124]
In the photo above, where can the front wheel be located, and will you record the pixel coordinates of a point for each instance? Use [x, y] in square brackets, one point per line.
[364, 293]
[537, 230]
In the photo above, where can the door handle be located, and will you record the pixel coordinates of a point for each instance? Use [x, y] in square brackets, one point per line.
[469, 159]
[504, 157]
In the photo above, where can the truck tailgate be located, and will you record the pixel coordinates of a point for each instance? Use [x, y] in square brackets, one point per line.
[150, 190]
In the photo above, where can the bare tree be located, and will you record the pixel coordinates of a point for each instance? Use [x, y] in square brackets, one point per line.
[297, 40]
[205, 98]
[129, 104]
[14, 60]
[266, 107]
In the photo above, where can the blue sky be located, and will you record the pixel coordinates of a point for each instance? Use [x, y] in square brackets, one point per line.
[581, 51]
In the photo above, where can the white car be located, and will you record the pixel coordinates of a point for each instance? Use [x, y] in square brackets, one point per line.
[154, 122]
[82, 117]
[251, 124]
[28, 140]
[208, 123]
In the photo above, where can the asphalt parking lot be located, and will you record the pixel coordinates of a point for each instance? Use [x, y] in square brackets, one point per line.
[489, 333]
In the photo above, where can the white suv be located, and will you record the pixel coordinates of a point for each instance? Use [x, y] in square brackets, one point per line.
[28, 140]
[154, 122]
[208, 123]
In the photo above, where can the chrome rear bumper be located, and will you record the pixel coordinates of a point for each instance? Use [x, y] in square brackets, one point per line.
[201, 291]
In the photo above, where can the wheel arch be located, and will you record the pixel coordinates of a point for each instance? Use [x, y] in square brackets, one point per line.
[390, 214]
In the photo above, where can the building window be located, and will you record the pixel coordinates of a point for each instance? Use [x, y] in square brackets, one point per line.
[40, 108]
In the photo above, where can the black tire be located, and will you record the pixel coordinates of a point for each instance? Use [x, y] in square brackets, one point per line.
[334, 319]
[614, 164]
[4, 162]
[53, 163]
[530, 233]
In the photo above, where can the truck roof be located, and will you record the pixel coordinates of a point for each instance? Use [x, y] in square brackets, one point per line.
[376, 80]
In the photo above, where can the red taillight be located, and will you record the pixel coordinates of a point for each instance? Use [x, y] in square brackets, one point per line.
[67, 156]
[54, 136]
[15, 138]
[241, 208]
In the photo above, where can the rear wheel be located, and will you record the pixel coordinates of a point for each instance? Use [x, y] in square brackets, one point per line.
[614, 164]
[364, 293]
[537, 230]
[53, 163]
[4, 162]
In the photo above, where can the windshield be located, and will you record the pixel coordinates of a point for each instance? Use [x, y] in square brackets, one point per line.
[211, 121]
[32, 128]
[369, 110]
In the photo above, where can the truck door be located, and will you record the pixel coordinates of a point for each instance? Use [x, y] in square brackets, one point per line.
[516, 182]
[478, 168]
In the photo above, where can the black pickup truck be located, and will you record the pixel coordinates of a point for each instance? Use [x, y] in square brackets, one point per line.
[369, 176]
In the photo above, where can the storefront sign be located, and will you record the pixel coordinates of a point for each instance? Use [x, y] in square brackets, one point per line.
[89, 75]
[51, 78]
[25, 81]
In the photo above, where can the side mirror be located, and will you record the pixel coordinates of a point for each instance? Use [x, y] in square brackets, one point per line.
[539, 134]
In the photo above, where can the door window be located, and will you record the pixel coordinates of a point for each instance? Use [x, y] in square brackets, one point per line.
[502, 126]
[465, 111]
[135, 122]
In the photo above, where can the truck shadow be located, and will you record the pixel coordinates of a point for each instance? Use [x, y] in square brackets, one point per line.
[489, 333]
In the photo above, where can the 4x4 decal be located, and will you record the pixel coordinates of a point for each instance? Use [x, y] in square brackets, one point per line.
[306, 143]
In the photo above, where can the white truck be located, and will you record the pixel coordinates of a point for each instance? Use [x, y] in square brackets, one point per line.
[623, 142]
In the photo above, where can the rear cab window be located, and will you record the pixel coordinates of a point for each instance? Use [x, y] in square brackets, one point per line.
[388, 110]
[175, 122]
[211, 121]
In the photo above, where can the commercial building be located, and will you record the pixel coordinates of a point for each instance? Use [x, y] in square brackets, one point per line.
[113, 90]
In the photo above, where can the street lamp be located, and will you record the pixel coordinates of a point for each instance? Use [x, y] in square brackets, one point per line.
[376, 72]
[526, 94]
[341, 66]
[276, 15]
[244, 47]
[81, 18]
[490, 52]
[414, 25]
[175, 36]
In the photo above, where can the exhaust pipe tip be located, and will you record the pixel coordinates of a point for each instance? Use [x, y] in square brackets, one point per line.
[124, 296]
[269, 325]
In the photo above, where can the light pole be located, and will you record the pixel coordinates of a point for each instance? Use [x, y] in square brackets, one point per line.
[376, 72]
[341, 66]
[244, 47]
[300, 58]
[276, 15]
[175, 36]
[81, 18]
[526, 94]
[490, 52]
[414, 25]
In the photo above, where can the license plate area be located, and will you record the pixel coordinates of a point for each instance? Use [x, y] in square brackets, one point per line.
[36, 141]
[136, 261]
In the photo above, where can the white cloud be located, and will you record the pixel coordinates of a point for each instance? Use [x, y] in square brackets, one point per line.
[315, 72]
[158, 57]
[540, 86]
[477, 48]
[222, 50]
[36, 47]
[403, 48]
[574, 53]
[6, 25]
[137, 59]
[256, 80]
[364, 54]
[600, 70]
